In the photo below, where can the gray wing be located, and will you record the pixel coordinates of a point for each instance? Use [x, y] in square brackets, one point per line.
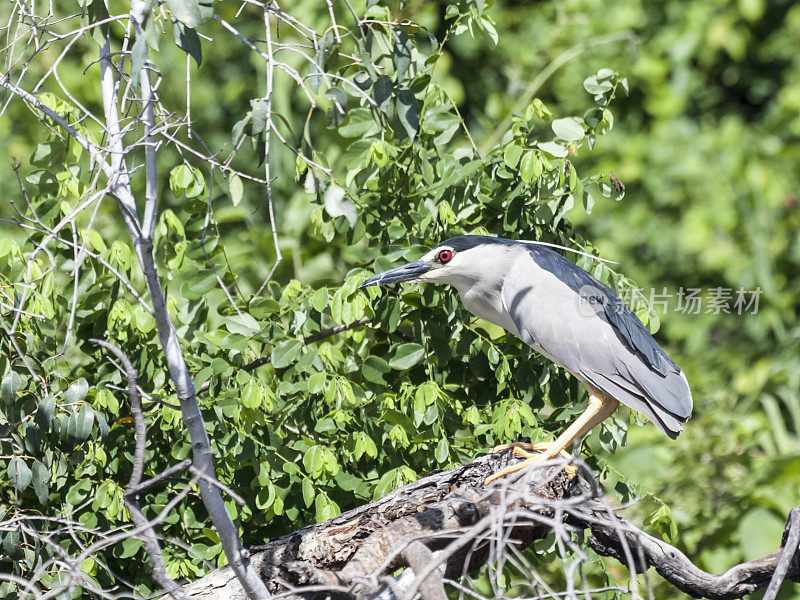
[581, 324]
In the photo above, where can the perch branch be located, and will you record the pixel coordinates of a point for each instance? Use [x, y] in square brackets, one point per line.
[448, 524]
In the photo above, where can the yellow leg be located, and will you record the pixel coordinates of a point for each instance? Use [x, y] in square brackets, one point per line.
[599, 409]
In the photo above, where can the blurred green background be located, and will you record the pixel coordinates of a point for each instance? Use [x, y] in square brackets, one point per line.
[707, 146]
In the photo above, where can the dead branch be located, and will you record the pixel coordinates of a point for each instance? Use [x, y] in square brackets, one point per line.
[147, 535]
[678, 569]
[448, 524]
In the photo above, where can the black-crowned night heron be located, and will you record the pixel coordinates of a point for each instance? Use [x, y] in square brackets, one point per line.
[566, 315]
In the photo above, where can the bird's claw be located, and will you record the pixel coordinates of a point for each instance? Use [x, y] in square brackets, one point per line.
[534, 454]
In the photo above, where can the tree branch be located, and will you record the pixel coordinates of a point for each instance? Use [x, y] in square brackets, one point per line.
[448, 524]
[147, 535]
[676, 568]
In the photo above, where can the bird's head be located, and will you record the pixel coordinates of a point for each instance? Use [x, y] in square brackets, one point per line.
[456, 260]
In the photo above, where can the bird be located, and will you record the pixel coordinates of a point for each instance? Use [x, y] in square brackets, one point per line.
[566, 315]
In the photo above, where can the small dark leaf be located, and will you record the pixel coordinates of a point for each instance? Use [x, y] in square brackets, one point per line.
[407, 111]
[79, 424]
[374, 369]
[33, 438]
[187, 40]
[12, 545]
[10, 386]
[18, 473]
[363, 80]
[41, 480]
[383, 91]
[77, 391]
[103, 424]
[44, 414]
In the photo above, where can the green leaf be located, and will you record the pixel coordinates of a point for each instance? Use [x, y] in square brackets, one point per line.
[593, 86]
[569, 129]
[760, 532]
[252, 394]
[10, 386]
[130, 547]
[406, 356]
[360, 123]
[138, 58]
[554, 149]
[319, 460]
[531, 167]
[374, 369]
[260, 114]
[316, 382]
[41, 480]
[145, 322]
[79, 424]
[187, 40]
[191, 13]
[238, 129]
[325, 508]
[511, 155]
[442, 452]
[44, 412]
[382, 92]
[402, 52]
[152, 33]
[18, 473]
[336, 204]
[308, 492]
[320, 299]
[77, 391]
[235, 188]
[242, 324]
[285, 353]
[407, 111]
[187, 180]
[393, 479]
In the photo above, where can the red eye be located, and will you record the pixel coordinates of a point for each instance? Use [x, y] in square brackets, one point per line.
[445, 256]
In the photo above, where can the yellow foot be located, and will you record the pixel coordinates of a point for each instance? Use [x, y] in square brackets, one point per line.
[534, 454]
[537, 447]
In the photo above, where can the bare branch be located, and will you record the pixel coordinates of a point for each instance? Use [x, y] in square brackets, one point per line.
[147, 534]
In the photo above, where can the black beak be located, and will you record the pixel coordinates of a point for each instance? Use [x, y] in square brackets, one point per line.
[399, 274]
